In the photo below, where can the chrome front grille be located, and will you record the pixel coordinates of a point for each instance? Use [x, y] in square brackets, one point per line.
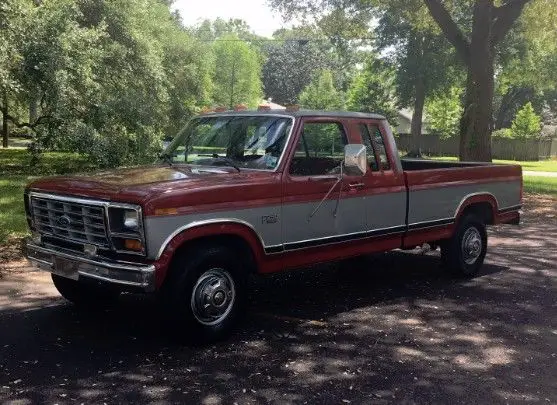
[69, 220]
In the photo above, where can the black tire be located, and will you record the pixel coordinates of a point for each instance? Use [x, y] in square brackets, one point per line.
[84, 295]
[205, 293]
[463, 255]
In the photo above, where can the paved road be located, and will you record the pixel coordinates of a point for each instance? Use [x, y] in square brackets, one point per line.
[539, 174]
[387, 329]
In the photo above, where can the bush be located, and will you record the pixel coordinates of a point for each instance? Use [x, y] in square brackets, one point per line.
[526, 124]
[443, 113]
[503, 133]
[114, 146]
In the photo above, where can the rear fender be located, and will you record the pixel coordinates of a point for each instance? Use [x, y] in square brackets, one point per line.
[478, 198]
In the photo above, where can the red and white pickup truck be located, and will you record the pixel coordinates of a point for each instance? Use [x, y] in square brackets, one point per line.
[242, 192]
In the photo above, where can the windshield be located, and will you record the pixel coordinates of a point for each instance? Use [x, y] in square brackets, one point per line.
[253, 142]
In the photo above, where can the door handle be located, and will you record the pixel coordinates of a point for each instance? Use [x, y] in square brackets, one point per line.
[356, 185]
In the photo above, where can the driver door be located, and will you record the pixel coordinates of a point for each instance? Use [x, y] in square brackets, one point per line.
[314, 169]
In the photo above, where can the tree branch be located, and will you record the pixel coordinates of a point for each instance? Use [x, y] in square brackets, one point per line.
[30, 125]
[504, 17]
[453, 34]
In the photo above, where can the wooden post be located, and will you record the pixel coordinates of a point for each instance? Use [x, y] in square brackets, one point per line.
[5, 128]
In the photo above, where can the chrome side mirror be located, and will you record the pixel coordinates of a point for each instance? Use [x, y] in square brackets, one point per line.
[355, 159]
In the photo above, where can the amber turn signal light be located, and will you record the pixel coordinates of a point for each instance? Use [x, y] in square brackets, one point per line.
[133, 244]
[166, 211]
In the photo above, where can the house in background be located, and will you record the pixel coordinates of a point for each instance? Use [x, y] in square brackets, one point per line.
[274, 106]
[405, 122]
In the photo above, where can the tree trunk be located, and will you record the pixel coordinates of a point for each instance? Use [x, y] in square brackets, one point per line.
[476, 123]
[5, 128]
[417, 117]
[33, 108]
[490, 25]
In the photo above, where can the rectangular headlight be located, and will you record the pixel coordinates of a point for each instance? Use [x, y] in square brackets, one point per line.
[126, 228]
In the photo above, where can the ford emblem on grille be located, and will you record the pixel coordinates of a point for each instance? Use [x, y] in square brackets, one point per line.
[63, 221]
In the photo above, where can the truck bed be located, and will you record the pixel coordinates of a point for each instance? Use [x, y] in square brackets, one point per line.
[426, 164]
[438, 191]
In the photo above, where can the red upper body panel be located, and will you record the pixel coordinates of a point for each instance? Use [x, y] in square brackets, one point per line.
[180, 186]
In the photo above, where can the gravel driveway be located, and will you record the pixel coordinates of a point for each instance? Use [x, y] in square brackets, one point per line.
[384, 329]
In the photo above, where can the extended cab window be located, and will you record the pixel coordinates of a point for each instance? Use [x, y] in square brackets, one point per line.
[370, 150]
[373, 139]
[320, 149]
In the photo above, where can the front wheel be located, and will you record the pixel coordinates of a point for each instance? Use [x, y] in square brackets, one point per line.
[205, 293]
[464, 254]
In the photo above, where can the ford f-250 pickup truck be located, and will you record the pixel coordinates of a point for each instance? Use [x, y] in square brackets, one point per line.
[240, 192]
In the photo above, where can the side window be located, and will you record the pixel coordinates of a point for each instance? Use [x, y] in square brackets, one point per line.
[320, 150]
[370, 150]
[379, 146]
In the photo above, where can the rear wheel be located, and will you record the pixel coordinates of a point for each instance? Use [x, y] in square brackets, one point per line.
[464, 254]
[205, 293]
[84, 295]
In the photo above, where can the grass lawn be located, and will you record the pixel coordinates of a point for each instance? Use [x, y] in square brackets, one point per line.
[540, 166]
[12, 213]
[16, 169]
[540, 185]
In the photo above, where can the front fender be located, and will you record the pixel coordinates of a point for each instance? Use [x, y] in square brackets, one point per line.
[203, 229]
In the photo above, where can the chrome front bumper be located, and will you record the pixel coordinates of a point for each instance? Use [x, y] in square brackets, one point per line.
[74, 266]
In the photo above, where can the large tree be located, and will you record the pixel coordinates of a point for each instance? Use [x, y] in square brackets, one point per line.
[373, 89]
[103, 78]
[527, 65]
[237, 75]
[424, 59]
[293, 58]
[321, 93]
[475, 40]
[490, 23]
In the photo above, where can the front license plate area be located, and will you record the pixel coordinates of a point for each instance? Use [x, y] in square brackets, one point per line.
[65, 268]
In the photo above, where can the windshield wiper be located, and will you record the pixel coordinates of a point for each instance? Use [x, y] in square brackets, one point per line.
[224, 159]
[167, 157]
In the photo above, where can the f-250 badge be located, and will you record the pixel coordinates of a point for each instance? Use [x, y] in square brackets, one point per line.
[269, 219]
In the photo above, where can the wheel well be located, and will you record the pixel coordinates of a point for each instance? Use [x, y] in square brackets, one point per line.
[482, 210]
[237, 243]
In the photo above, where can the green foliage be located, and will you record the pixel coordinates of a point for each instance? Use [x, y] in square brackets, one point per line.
[443, 112]
[106, 79]
[237, 75]
[321, 94]
[503, 133]
[295, 57]
[373, 90]
[527, 124]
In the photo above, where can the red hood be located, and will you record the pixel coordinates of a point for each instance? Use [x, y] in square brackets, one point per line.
[145, 184]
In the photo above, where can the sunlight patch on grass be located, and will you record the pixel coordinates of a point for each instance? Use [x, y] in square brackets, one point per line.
[12, 212]
[540, 185]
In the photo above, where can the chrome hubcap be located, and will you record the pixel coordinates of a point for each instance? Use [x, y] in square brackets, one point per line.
[471, 245]
[213, 296]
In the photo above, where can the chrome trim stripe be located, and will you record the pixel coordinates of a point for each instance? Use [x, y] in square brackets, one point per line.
[431, 224]
[510, 209]
[344, 238]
